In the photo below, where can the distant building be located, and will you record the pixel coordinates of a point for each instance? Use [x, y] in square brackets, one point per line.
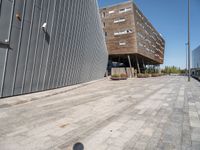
[195, 71]
[46, 44]
[130, 37]
[196, 58]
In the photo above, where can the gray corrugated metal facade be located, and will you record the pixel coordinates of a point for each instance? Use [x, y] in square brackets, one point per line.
[71, 50]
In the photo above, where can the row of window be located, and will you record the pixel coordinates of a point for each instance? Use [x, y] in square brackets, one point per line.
[157, 37]
[159, 45]
[122, 43]
[142, 37]
[147, 49]
[140, 15]
[123, 10]
[149, 26]
[127, 31]
[118, 20]
[147, 40]
[123, 32]
[142, 26]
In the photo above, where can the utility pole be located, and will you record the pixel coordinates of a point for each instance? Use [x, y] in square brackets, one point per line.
[188, 40]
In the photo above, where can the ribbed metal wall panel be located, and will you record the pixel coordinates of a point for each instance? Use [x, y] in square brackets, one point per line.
[72, 51]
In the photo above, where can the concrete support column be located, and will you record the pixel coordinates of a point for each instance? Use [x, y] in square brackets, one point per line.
[129, 61]
[138, 66]
[144, 66]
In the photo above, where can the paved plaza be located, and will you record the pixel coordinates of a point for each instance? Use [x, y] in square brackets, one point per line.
[138, 114]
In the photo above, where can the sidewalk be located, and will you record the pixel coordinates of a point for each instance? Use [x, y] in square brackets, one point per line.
[152, 113]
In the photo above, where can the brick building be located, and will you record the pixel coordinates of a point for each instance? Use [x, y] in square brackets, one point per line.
[130, 37]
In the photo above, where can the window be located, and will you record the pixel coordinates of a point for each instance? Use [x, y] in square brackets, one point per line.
[153, 51]
[153, 37]
[160, 40]
[123, 32]
[122, 43]
[120, 33]
[155, 33]
[111, 12]
[140, 35]
[141, 25]
[146, 32]
[140, 44]
[124, 10]
[104, 24]
[158, 43]
[128, 9]
[129, 31]
[103, 14]
[138, 14]
[119, 20]
[148, 41]
[106, 33]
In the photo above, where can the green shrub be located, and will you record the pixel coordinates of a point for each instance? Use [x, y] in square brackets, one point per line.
[157, 75]
[115, 76]
[123, 75]
[143, 75]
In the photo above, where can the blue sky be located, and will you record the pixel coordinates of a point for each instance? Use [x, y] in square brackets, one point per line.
[169, 17]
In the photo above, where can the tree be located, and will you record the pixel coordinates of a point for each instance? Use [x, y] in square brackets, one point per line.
[173, 70]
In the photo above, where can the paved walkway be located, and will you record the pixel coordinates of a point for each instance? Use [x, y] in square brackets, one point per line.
[154, 113]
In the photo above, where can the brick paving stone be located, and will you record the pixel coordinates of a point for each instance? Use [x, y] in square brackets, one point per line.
[152, 114]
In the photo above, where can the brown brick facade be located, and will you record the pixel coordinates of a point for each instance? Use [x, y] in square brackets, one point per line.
[128, 32]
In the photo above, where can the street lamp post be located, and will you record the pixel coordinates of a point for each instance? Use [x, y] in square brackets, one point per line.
[188, 40]
[186, 63]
